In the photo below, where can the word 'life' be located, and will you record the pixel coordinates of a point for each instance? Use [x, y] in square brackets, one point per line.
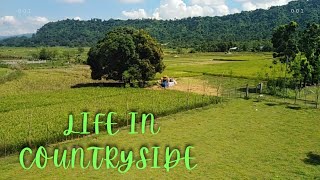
[109, 124]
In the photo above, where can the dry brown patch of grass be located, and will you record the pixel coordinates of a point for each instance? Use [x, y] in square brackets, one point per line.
[193, 85]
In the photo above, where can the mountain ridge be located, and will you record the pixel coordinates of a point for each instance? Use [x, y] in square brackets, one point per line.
[246, 26]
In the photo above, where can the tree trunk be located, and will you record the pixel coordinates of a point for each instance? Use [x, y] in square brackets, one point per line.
[296, 95]
[305, 81]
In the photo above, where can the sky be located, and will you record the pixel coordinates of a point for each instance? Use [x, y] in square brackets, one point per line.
[26, 16]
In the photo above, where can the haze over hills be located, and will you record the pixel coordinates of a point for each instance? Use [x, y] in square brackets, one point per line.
[29, 35]
[189, 32]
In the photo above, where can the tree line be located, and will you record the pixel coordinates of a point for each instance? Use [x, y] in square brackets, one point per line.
[299, 51]
[250, 31]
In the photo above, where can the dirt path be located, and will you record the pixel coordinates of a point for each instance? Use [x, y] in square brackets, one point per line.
[193, 85]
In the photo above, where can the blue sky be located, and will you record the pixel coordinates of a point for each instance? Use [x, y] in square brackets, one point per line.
[19, 17]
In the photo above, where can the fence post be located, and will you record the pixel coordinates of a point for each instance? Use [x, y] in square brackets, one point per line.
[247, 91]
[305, 97]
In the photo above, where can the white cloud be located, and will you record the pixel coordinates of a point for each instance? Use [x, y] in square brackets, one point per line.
[37, 20]
[138, 14]
[249, 5]
[208, 2]
[10, 25]
[8, 20]
[234, 10]
[77, 18]
[177, 9]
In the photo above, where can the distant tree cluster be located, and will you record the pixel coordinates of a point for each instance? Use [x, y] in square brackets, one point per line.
[299, 51]
[252, 46]
[67, 55]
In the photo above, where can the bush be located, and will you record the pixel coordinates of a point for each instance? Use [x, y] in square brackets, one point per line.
[192, 51]
[46, 54]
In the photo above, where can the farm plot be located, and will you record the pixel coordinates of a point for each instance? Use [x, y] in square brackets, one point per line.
[40, 118]
[246, 65]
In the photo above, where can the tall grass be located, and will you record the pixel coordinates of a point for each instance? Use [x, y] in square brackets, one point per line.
[27, 118]
[10, 75]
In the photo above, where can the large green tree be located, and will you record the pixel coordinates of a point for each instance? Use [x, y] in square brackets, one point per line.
[300, 50]
[285, 42]
[310, 45]
[126, 54]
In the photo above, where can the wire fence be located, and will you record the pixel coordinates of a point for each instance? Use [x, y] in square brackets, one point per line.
[305, 98]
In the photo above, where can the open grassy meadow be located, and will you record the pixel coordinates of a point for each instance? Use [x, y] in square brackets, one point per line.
[244, 65]
[240, 139]
[235, 139]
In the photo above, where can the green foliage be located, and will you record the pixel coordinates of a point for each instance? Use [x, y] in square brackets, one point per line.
[285, 42]
[81, 50]
[126, 54]
[275, 87]
[46, 54]
[192, 51]
[310, 45]
[179, 50]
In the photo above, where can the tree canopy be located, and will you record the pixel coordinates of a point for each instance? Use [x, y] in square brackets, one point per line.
[126, 54]
[299, 50]
[285, 42]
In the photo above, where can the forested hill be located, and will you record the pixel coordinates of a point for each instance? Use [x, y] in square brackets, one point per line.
[241, 27]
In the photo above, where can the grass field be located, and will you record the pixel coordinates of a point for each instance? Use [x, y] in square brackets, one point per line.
[244, 65]
[238, 139]
[26, 53]
[44, 103]
[3, 71]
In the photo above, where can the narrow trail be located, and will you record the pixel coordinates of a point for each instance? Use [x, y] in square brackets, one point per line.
[193, 85]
